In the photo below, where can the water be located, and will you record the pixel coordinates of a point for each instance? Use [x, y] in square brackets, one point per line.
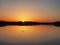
[30, 35]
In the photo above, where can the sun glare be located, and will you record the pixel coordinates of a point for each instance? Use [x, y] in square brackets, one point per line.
[25, 15]
[23, 21]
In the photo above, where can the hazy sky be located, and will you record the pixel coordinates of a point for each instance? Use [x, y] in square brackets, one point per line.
[30, 10]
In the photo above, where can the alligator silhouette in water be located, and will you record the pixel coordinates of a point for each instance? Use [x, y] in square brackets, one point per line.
[28, 23]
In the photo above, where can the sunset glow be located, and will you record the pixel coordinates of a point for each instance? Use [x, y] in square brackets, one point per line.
[31, 11]
[29, 22]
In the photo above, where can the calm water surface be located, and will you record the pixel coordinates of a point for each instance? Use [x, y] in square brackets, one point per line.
[31, 35]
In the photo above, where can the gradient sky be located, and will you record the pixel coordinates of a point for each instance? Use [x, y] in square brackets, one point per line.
[30, 10]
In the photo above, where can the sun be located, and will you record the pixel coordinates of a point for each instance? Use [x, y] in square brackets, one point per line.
[23, 21]
[24, 18]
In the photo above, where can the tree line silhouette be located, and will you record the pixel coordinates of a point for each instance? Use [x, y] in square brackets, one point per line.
[28, 23]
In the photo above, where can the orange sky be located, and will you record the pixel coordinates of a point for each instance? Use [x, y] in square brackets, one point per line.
[29, 11]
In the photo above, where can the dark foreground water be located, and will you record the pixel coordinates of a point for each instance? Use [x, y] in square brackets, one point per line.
[30, 35]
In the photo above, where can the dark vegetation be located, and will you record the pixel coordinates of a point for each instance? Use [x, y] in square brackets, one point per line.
[28, 23]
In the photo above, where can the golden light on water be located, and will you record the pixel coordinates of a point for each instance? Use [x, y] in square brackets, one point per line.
[35, 11]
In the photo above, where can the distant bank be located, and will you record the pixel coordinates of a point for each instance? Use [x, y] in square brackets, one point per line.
[28, 23]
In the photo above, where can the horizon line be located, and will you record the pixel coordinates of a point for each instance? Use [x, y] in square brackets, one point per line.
[28, 23]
